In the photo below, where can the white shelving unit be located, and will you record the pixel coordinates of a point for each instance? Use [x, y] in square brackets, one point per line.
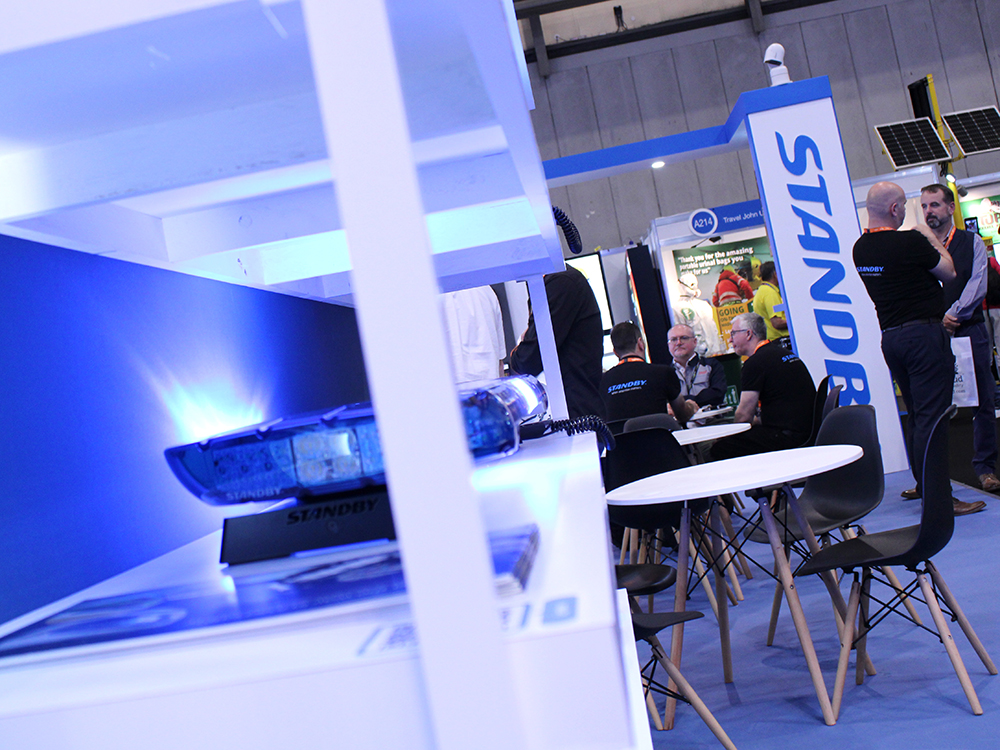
[369, 155]
[348, 676]
[188, 135]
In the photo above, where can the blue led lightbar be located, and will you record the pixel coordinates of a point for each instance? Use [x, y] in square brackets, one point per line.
[321, 453]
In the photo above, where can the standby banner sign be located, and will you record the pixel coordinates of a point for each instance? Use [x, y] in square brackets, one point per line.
[812, 223]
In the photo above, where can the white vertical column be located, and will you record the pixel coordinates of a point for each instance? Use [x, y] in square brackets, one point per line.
[554, 389]
[448, 569]
[812, 223]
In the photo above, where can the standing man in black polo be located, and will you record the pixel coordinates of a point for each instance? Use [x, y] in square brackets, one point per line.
[963, 297]
[901, 271]
[634, 387]
[776, 394]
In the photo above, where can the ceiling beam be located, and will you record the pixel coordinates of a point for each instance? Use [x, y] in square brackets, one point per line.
[756, 16]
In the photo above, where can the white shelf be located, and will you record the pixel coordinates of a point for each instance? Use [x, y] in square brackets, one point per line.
[560, 639]
[193, 142]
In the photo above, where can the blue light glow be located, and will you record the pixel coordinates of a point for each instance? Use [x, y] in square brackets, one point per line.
[209, 409]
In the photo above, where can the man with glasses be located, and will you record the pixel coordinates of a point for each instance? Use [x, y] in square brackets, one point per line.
[702, 380]
[634, 387]
[777, 394]
[963, 298]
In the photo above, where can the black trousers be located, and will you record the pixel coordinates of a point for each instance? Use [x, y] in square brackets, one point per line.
[920, 360]
[758, 439]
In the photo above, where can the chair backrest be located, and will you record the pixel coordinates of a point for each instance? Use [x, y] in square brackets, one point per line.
[832, 401]
[646, 421]
[818, 403]
[855, 490]
[639, 454]
[617, 426]
[937, 516]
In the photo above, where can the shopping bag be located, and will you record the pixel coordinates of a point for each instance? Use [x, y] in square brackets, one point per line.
[965, 393]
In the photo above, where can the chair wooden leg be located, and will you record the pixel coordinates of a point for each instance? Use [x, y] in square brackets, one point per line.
[727, 523]
[949, 644]
[654, 712]
[845, 646]
[795, 607]
[963, 621]
[729, 561]
[720, 595]
[893, 579]
[775, 610]
[866, 585]
[625, 539]
[709, 551]
[680, 604]
[702, 574]
[657, 557]
[697, 703]
[829, 578]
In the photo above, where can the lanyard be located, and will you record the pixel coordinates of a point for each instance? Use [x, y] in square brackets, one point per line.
[630, 358]
[947, 242]
[879, 229]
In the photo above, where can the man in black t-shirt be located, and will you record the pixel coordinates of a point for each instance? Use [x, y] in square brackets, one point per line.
[779, 382]
[634, 387]
[579, 334]
[901, 271]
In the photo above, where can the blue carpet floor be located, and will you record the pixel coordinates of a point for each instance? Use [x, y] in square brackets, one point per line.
[914, 702]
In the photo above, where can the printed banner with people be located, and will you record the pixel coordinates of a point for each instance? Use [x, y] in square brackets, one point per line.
[717, 283]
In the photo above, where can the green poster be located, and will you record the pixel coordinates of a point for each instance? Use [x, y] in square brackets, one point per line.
[986, 212]
[713, 264]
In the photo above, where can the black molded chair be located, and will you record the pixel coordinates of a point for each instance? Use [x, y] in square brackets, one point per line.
[617, 426]
[835, 499]
[911, 547]
[645, 627]
[839, 497]
[640, 580]
[646, 421]
[832, 401]
[639, 454]
[818, 403]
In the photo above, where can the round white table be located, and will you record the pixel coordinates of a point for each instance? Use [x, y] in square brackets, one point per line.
[733, 474]
[736, 475]
[693, 435]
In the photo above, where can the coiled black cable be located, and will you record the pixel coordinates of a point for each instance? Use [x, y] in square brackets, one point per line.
[576, 426]
[570, 231]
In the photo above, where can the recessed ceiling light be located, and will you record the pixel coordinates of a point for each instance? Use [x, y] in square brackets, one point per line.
[658, 164]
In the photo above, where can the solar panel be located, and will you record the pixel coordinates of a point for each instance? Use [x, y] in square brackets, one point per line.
[912, 143]
[975, 130]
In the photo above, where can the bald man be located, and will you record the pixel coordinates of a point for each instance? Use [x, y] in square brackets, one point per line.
[901, 272]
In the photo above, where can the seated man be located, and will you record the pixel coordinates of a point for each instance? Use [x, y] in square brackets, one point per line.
[634, 387]
[779, 382]
[702, 380]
